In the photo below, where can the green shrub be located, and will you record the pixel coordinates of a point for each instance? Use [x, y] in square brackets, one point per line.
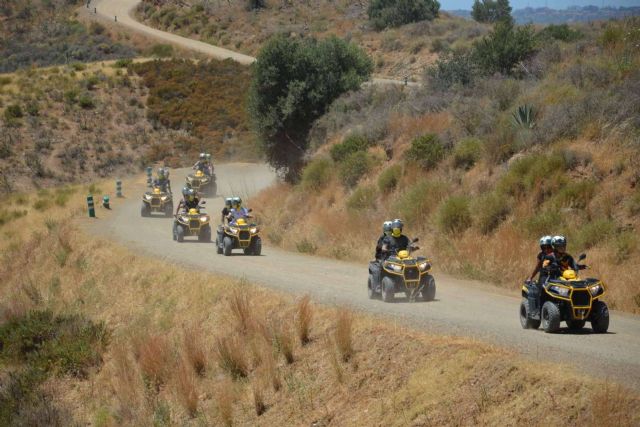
[86, 102]
[33, 109]
[354, 167]
[363, 198]
[13, 112]
[491, 10]
[351, 144]
[419, 199]
[624, 245]
[123, 63]
[452, 69]
[633, 205]
[542, 223]
[317, 174]
[575, 194]
[394, 13]
[6, 216]
[558, 32]
[504, 47]
[467, 153]
[454, 215]
[533, 171]
[161, 50]
[71, 96]
[427, 151]
[490, 211]
[594, 233]
[78, 66]
[306, 246]
[389, 178]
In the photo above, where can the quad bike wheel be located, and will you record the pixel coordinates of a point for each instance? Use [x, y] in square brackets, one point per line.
[429, 290]
[227, 244]
[218, 247]
[205, 235]
[525, 319]
[550, 317]
[145, 210]
[599, 317]
[388, 290]
[257, 246]
[180, 234]
[370, 288]
[168, 210]
[575, 325]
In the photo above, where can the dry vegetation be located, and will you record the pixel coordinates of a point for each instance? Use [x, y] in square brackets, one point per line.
[396, 52]
[478, 186]
[185, 348]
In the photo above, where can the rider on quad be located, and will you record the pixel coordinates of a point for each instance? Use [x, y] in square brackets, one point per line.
[224, 220]
[562, 260]
[386, 231]
[396, 241]
[203, 164]
[238, 211]
[162, 180]
[189, 200]
[545, 254]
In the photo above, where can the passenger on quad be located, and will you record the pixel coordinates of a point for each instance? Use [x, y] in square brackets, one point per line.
[376, 266]
[224, 220]
[162, 180]
[386, 231]
[202, 165]
[238, 211]
[547, 256]
[396, 241]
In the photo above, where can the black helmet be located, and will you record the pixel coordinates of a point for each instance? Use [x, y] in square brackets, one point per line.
[559, 241]
[185, 191]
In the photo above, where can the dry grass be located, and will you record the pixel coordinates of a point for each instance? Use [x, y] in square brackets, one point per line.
[258, 397]
[283, 340]
[270, 371]
[225, 399]
[343, 334]
[195, 349]
[334, 359]
[231, 356]
[155, 359]
[240, 308]
[186, 387]
[303, 319]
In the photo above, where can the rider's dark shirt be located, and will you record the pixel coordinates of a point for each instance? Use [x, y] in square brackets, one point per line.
[162, 184]
[192, 204]
[396, 243]
[379, 246]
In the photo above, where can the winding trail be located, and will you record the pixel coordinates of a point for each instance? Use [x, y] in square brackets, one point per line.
[109, 10]
[462, 307]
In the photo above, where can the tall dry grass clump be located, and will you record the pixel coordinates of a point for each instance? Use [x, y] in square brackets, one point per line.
[127, 385]
[195, 349]
[241, 310]
[259, 404]
[283, 340]
[342, 334]
[231, 356]
[334, 359]
[225, 398]
[610, 407]
[269, 370]
[186, 386]
[303, 319]
[155, 359]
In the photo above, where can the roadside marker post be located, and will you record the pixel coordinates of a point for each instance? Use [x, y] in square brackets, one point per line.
[118, 188]
[92, 209]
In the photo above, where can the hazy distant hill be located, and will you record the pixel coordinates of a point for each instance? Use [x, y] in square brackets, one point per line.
[544, 15]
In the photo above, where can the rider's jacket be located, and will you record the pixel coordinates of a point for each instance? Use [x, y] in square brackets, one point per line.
[395, 244]
[379, 246]
[558, 263]
[203, 166]
[236, 214]
[163, 184]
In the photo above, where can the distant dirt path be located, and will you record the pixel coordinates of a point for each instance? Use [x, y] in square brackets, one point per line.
[462, 307]
[123, 10]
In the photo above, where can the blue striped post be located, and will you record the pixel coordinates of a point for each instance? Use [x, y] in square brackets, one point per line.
[92, 209]
[118, 188]
[149, 180]
[105, 202]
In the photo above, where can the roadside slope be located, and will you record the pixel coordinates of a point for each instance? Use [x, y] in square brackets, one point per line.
[463, 308]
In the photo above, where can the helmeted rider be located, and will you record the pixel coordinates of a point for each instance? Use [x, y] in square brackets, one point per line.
[202, 164]
[162, 180]
[375, 266]
[386, 231]
[544, 258]
[189, 200]
[224, 220]
[209, 163]
[238, 211]
[396, 241]
[563, 261]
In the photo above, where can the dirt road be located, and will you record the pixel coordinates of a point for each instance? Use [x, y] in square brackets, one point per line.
[109, 10]
[462, 308]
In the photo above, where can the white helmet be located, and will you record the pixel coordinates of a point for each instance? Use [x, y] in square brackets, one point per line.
[387, 227]
[203, 156]
[546, 241]
[559, 241]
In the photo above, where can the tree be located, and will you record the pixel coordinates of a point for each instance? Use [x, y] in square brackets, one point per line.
[491, 11]
[393, 13]
[504, 47]
[294, 82]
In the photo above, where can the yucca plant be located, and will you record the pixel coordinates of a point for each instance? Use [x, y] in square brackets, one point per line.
[524, 117]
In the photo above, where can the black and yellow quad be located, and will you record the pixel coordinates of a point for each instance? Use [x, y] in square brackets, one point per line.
[203, 183]
[156, 200]
[403, 273]
[194, 222]
[240, 235]
[569, 299]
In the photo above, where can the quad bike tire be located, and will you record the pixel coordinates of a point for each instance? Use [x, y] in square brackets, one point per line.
[550, 317]
[168, 210]
[600, 317]
[256, 249]
[429, 290]
[145, 210]
[179, 234]
[575, 325]
[227, 244]
[205, 235]
[388, 290]
[525, 320]
[218, 247]
[370, 288]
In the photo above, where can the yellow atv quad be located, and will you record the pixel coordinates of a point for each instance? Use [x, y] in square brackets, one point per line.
[240, 235]
[569, 299]
[402, 272]
[192, 223]
[202, 183]
[156, 200]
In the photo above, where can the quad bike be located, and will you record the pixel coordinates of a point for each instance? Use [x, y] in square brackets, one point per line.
[156, 200]
[402, 272]
[569, 299]
[240, 235]
[192, 223]
[202, 183]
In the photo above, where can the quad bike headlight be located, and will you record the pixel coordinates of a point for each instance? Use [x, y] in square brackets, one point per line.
[595, 290]
[563, 292]
[253, 230]
[204, 218]
[184, 218]
[148, 196]
[233, 230]
[424, 266]
[395, 267]
[164, 198]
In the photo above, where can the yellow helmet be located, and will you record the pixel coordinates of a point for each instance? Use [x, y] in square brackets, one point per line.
[193, 211]
[569, 274]
[241, 221]
[403, 254]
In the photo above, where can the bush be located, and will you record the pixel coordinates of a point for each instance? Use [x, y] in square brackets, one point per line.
[542, 223]
[504, 47]
[161, 50]
[351, 144]
[594, 233]
[389, 178]
[633, 205]
[418, 201]
[491, 10]
[558, 32]
[354, 167]
[13, 112]
[467, 153]
[457, 68]
[394, 13]
[123, 63]
[317, 174]
[575, 194]
[363, 198]
[454, 215]
[544, 174]
[491, 211]
[86, 102]
[306, 246]
[427, 151]
[624, 245]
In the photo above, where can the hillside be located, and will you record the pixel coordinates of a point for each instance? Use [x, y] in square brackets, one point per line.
[95, 334]
[396, 52]
[480, 167]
